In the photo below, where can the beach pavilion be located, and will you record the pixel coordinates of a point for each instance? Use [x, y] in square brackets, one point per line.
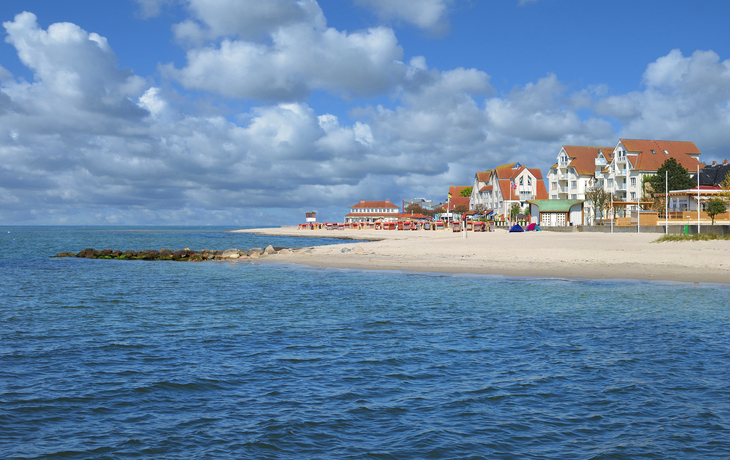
[556, 213]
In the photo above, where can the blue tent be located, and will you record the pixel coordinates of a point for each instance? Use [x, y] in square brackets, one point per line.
[516, 228]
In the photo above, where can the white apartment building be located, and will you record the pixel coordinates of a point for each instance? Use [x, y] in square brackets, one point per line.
[633, 159]
[577, 169]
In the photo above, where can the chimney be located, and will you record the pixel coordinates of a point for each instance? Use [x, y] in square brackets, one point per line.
[387, 201]
[714, 163]
[725, 162]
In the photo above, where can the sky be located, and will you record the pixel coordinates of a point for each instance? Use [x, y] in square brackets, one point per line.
[250, 112]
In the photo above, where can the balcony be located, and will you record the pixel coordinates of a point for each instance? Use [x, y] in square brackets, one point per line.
[600, 162]
[563, 189]
[621, 186]
[599, 175]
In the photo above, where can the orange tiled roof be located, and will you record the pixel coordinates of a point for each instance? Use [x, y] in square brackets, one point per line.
[536, 172]
[542, 193]
[648, 161]
[582, 158]
[486, 188]
[484, 175]
[374, 204]
[457, 200]
[455, 190]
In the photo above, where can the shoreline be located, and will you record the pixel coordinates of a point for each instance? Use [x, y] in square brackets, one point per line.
[597, 256]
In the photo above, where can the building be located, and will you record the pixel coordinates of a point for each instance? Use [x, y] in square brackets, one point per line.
[507, 185]
[373, 211]
[577, 169]
[713, 175]
[556, 213]
[634, 159]
[479, 189]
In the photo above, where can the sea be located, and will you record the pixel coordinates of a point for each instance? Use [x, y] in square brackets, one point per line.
[114, 359]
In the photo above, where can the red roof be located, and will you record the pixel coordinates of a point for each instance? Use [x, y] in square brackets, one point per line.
[455, 190]
[374, 204]
[486, 188]
[542, 193]
[583, 158]
[652, 154]
[484, 176]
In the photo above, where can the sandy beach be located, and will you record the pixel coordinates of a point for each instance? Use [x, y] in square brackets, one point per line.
[533, 254]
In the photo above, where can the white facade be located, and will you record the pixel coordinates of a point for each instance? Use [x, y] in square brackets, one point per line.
[505, 186]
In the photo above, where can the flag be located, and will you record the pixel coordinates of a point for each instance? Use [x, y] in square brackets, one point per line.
[513, 185]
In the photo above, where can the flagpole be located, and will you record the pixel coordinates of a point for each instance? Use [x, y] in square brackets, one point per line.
[698, 199]
[666, 202]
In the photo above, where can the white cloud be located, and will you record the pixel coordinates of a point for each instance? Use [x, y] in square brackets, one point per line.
[303, 55]
[247, 19]
[425, 14]
[685, 98]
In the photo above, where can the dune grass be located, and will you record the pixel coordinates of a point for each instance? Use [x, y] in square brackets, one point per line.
[699, 237]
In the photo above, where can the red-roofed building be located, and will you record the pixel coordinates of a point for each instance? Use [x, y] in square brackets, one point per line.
[577, 169]
[373, 211]
[507, 185]
[633, 159]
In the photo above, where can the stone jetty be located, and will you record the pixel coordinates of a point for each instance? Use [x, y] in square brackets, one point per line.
[184, 255]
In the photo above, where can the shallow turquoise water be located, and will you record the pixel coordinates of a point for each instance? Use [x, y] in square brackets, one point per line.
[117, 359]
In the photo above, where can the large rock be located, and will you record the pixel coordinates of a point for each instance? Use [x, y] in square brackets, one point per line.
[269, 250]
[255, 251]
[230, 254]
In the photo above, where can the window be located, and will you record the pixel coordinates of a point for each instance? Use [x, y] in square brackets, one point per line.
[633, 182]
[633, 195]
[521, 178]
[529, 181]
[574, 197]
[554, 186]
[573, 184]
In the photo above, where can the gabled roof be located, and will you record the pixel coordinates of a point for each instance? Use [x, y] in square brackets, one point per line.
[537, 173]
[652, 154]
[374, 204]
[484, 176]
[583, 158]
[542, 193]
[486, 188]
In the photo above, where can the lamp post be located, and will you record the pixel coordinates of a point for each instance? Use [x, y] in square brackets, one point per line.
[666, 202]
[698, 199]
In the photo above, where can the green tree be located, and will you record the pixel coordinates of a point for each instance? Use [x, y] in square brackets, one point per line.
[466, 192]
[715, 206]
[514, 210]
[679, 178]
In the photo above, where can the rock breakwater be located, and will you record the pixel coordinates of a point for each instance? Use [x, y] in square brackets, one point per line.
[184, 255]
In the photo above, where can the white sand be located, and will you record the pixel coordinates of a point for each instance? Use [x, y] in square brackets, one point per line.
[534, 254]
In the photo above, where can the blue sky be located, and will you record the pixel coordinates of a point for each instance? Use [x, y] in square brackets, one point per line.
[241, 112]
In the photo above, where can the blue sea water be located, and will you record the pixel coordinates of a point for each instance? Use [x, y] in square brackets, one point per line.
[133, 359]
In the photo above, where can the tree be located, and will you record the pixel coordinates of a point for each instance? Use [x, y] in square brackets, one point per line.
[715, 206]
[466, 192]
[679, 178]
[514, 210]
[461, 208]
[598, 198]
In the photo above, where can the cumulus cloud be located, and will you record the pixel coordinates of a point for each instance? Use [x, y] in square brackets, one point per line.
[300, 54]
[684, 98]
[425, 14]
[88, 141]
